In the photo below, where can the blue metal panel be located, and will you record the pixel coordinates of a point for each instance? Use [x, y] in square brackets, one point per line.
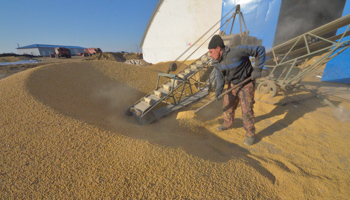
[338, 69]
[260, 17]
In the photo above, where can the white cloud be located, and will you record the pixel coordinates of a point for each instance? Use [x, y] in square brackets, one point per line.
[246, 5]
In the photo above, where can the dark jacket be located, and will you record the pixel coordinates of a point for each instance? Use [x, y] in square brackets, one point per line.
[234, 65]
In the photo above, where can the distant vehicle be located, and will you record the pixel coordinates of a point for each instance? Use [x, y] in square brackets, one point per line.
[61, 52]
[91, 51]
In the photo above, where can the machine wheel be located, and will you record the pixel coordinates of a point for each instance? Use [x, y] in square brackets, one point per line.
[267, 87]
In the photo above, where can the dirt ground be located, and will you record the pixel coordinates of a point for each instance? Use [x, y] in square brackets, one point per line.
[64, 135]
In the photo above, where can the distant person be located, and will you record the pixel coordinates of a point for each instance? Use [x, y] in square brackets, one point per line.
[232, 66]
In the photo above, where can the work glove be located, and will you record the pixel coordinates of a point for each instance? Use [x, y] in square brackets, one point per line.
[256, 73]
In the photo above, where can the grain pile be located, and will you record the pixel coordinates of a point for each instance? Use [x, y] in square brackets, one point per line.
[188, 120]
[185, 115]
[108, 56]
[130, 56]
[64, 135]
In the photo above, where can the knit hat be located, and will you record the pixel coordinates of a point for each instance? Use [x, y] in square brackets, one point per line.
[216, 41]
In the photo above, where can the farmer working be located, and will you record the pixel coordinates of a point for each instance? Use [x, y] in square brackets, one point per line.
[233, 66]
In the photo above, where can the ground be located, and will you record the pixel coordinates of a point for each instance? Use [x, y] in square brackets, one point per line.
[64, 135]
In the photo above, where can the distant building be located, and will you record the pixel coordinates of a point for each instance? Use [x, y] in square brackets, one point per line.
[47, 50]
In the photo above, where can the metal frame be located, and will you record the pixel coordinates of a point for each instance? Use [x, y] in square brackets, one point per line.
[241, 21]
[299, 50]
[193, 80]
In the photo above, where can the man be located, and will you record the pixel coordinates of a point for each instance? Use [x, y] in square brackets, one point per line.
[233, 66]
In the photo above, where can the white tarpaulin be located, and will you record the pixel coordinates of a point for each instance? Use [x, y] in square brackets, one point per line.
[175, 25]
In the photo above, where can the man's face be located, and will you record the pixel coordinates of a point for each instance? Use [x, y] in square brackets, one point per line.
[215, 53]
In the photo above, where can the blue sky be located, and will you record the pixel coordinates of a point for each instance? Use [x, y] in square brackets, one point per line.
[113, 25]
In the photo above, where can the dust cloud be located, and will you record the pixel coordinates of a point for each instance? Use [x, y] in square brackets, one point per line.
[298, 17]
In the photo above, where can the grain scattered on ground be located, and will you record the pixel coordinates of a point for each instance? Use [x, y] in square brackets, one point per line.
[64, 135]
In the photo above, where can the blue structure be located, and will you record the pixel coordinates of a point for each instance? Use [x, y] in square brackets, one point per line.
[46, 49]
[338, 69]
